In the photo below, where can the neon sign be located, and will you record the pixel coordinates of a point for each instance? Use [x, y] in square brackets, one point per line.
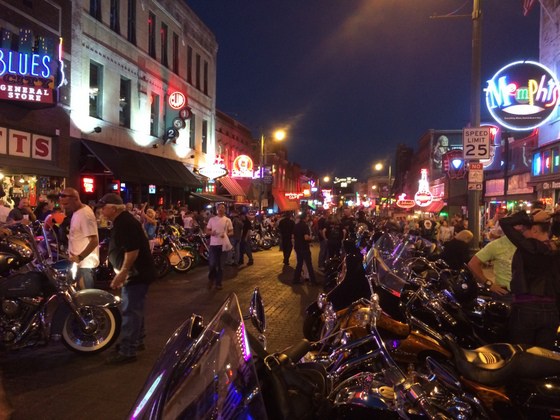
[88, 184]
[423, 196]
[177, 100]
[215, 171]
[405, 203]
[522, 95]
[242, 167]
[293, 196]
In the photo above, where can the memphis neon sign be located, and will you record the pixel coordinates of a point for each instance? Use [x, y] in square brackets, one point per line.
[522, 95]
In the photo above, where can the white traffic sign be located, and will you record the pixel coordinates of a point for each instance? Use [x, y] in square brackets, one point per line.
[475, 187]
[476, 172]
[476, 143]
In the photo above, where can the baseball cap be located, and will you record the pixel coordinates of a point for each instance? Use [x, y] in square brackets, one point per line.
[110, 198]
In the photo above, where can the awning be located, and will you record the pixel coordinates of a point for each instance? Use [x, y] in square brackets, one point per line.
[434, 207]
[232, 186]
[283, 203]
[133, 166]
[213, 198]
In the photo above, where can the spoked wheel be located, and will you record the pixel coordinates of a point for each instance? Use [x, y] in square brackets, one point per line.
[163, 266]
[181, 261]
[103, 326]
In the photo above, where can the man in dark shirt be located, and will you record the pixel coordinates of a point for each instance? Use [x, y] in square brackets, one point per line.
[302, 238]
[286, 229]
[322, 236]
[21, 212]
[535, 281]
[130, 256]
[245, 246]
[347, 223]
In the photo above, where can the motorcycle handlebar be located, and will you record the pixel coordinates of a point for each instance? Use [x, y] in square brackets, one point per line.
[297, 351]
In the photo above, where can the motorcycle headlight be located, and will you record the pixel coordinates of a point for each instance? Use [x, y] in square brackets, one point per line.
[64, 272]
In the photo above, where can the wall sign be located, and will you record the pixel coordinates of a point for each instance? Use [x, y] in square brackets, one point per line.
[242, 167]
[24, 144]
[522, 95]
[215, 171]
[405, 203]
[423, 196]
[177, 100]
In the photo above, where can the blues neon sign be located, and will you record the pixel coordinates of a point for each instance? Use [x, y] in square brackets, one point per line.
[522, 95]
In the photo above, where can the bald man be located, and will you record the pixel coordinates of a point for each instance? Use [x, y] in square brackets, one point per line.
[83, 239]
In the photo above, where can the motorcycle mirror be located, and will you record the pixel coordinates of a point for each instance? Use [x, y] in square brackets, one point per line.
[256, 311]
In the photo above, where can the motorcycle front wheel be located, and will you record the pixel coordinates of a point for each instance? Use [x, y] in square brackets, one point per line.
[266, 244]
[103, 328]
[184, 264]
[163, 265]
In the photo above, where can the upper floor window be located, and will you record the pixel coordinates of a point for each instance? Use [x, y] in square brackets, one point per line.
[204, 136]
[114, 20]
[205, 78]
[192, 131]
[189, 64]
[152, 35]
[132, 21]
[124, 103]
[197, 71]
[95, 9]
[163, 33]
[175, 63]
[95, 89]
[154, 115]
[10, 40]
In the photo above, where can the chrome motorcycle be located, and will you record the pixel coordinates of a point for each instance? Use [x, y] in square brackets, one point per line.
[39, 301]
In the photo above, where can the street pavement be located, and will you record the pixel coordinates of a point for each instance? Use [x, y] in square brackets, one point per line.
[55, 383]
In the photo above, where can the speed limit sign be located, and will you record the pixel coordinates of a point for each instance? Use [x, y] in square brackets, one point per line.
[476, 143]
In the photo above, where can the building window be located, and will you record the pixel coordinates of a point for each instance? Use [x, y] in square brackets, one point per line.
[175, 53]
[95, 89]
[10, 40]
[95, 9]
[163, 34]
[189, 64]
[204, 136]
[192, 131]
[124, 103]
[154, 115]
[197, 71]
[205, 81]
[152, 35]
[115, 16]
[132, 21]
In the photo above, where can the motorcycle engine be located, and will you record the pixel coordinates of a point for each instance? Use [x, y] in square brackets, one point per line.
[14, 314]
[11, 308]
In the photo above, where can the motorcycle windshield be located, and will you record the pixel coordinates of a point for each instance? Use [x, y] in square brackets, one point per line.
[214, 377]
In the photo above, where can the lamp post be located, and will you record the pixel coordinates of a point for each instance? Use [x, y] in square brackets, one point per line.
[379, 167]
[278, 135]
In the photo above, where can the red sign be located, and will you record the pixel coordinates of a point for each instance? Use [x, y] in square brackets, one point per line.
[177, 100]
[242, 167]
[404, 203]
[88, 184]
[24, 144]
[293, 196]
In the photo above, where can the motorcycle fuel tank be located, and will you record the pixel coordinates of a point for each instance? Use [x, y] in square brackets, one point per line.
[22, 285]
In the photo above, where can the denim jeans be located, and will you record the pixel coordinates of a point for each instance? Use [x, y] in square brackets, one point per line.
[534, 324]
[322, 252]
[132, 330]
[216, 264]
[88, 278]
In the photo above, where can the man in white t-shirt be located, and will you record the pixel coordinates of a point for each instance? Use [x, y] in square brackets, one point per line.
[83, 239]
[219, 228]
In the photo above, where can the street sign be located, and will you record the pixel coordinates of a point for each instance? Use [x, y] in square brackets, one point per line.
[475, 186]
[476, 143]
[476, 173]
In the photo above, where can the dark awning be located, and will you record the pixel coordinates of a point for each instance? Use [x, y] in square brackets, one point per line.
[132, 166]
[213, 198]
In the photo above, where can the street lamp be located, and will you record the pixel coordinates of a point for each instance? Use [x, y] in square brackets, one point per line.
[278, 135]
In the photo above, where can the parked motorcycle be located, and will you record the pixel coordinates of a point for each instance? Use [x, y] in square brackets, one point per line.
[40, 301]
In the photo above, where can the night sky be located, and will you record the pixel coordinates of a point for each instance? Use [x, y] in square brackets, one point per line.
[351, 79]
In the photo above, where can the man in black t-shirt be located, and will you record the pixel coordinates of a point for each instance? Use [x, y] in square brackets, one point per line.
[130, 256]
[286, 229]
[302, 239]
[322, 236]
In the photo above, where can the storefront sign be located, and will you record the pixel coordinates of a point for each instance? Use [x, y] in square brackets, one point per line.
[29, 77]
[405, 203]
[423, 196]
[242, 167]
[177, 100]
[522, 95]
[293, 196]
[24, 144]
[554, 185]
[88, 184]
[215, 171]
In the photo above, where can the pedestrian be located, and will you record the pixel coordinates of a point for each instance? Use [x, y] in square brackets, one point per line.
[445, 232]
[535, 281]
[129, 254]
[237, 236]
[21, 212]
[456, 252]
[245, 246]
[286, 229]
[83, 237]
[219, 228]
[334, 238]
[323, 241]
[302, 239]
[347, 223]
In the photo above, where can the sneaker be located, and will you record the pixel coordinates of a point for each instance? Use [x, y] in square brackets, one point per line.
[119, 359]
[250, 262]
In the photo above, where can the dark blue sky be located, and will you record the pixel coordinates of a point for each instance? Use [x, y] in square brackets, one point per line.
[354, 78]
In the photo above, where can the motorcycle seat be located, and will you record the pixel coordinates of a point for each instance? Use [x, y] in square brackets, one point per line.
[502, 363]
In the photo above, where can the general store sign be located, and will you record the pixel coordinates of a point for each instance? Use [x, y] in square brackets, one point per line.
[522, 95]
[24, 144]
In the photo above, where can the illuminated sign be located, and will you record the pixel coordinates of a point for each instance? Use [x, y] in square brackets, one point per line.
[215, 171]
[177, 100]
[88, 184]
[29, 77]
[242, 167]
[423, 196]
[405, 203]
[151, 189]
[522, 95]
[293, 196]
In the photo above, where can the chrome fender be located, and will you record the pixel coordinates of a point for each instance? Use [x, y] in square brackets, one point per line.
[96, 297]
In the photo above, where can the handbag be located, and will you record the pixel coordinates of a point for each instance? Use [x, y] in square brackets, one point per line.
[227, 246]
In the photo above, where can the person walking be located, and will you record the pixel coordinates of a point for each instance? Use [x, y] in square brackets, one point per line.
[236, 238]
[129, 254]
[302, 239]
[83, 237]
[323, 242]
[286, 229]
[245, 246]
[219, 228]
[535, 281]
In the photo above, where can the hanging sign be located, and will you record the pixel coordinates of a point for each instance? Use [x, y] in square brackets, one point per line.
[405, 203]
[215, 171]
[242, 167]
[423, 196]
[522, 95]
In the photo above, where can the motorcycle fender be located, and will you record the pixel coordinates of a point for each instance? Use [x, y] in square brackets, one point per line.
[96, 297]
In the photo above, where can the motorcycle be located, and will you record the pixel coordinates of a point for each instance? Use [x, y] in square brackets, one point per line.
[40, 302]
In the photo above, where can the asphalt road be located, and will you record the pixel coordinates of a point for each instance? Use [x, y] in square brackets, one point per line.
[54, 383]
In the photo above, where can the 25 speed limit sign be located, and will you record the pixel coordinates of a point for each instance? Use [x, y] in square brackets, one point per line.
[476, 143]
